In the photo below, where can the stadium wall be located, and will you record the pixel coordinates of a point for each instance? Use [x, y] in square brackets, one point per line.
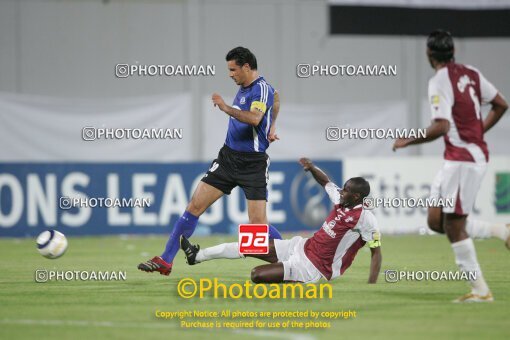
[58, 76]
[70, 49]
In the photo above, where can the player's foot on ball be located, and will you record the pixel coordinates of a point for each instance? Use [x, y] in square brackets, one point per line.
[470, 297]
[190, 250]
[156, 264]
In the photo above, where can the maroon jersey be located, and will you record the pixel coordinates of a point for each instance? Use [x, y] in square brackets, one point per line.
[333, 248]
[456, 93]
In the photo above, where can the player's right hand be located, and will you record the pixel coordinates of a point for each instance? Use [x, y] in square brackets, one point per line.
[272, 135]
[306, 163]
[219, 102]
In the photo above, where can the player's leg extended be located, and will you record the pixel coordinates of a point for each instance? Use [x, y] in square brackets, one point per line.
[465, 257]
[257, 215]
[230, 250]
[475, 228]
[203, 197]
[482, 229]
[268, 273]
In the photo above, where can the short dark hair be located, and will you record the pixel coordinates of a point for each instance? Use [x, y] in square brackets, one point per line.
[360, 186]
[440, 43]
[242, 56]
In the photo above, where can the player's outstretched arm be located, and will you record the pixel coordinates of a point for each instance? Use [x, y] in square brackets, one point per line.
[252, 117]
[438, 128]
[276, 110]
[375, 264]
[499, 106]
[317, 173]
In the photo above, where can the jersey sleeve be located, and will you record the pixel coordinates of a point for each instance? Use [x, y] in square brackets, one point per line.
[441, 101]
[333, 192]
[370, 231]
[262, 97]
[487, 90]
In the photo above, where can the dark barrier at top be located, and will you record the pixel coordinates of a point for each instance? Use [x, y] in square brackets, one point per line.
[99, 198]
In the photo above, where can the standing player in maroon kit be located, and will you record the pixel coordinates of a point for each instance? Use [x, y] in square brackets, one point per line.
[327, 254]
[456, 93]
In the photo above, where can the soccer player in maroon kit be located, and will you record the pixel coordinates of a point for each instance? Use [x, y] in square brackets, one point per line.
[327, 254]
[456, 94]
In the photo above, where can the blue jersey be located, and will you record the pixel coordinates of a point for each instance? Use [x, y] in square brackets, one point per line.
[244, 137]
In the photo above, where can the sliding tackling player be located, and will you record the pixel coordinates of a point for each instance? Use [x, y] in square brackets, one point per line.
[327, 254]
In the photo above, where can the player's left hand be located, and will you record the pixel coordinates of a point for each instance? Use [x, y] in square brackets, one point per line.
[400, 143]
[306, 163]
[272, 134]
[219, 102]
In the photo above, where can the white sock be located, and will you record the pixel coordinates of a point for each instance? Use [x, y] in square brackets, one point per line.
[465, 256]
[221, 251]
[478, 229]
[482, 229]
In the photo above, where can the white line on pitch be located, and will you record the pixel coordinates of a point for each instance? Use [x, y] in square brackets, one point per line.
[274, 334]
[87, 323]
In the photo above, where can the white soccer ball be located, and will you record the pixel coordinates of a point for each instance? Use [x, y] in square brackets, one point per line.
[51, 244]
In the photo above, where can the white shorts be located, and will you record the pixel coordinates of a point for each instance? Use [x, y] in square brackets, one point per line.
[296, 265]
[459, 181]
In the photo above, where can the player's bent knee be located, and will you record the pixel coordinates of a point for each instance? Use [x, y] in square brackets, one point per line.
[435, 224]
[255, 276]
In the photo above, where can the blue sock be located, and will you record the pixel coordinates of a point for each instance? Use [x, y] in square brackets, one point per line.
[185, 225]
[274, 233]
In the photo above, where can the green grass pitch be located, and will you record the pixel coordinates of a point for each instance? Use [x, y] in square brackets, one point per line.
[125, 309]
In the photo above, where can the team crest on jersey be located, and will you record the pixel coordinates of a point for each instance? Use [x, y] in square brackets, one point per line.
[328, 228]
[434, 100]
[243, 100]
[463, 82]
[349, 219]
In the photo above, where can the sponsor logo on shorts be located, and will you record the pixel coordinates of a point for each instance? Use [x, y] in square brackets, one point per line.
[214, 167]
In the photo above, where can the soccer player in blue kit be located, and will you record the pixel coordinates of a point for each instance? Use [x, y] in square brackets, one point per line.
[242, 161]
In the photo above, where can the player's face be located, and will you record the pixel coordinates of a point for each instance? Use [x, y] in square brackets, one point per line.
[236, 72]
[347, 195]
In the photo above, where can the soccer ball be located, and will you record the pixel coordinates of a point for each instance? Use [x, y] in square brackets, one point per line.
[51, 244]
